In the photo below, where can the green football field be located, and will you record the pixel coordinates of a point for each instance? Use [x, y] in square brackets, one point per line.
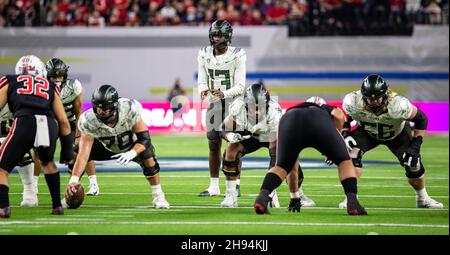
[124, 205]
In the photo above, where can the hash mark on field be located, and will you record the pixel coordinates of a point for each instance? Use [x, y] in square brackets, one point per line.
[224, 223]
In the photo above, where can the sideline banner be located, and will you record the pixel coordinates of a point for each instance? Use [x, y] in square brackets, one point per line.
[159, 116]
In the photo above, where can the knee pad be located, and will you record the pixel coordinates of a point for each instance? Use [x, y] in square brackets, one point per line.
[26, 160]
[231, 168]
[150, 171]
[413, 174]
[213, 135]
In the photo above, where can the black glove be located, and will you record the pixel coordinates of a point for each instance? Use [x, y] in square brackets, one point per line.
[411, 157]
[66, 154]
[294, 205]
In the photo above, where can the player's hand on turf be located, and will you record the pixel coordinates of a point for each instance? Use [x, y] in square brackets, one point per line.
[236, 138]
[126, 157]
[294, 205]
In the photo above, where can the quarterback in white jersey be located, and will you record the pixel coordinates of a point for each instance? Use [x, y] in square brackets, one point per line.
[25, 167]
[252, 124]
[113, 128]
[221, 79]
[384, 117]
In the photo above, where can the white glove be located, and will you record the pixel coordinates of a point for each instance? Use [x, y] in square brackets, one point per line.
[350, 142]
[126, 157]
[236, 138]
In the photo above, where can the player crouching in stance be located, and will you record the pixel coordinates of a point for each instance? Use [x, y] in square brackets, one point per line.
[252, 124]
[315, 125]
[382, 117]
[113, 128]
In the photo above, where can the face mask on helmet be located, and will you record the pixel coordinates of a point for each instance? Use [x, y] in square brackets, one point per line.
[316, 100]
[256, 101]
[220, 34]
[30, 65]
[57, 71]
[374, 91]
[105, 103]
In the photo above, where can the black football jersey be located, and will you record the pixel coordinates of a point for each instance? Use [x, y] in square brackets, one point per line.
[28, 95]
[325, 107]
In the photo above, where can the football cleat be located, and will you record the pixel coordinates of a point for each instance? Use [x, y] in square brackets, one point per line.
[428, 203]
[294, 205]
[63, 203]
[29, 199]
[343, 204]
[353, 206]
[5, 212]
[306, 201]
[230, 200]
[262, 202]
[274, 203]
[58, 210]
[238, 190]
[94, 190]
[160, 202]
[209, 193]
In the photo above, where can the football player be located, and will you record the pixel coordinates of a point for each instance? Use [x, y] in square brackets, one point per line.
[384, 117]
[316, 125]
[24, 167]
[38, 119]
[71, 96]
[221, 78]
[113, 128]
[252, 124]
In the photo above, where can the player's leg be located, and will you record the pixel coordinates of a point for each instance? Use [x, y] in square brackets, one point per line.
[289, 145]
[214, 117]
[231, 169]
[364, 143]
[26, 170]
[18, 141]
[295, 181]
[51, 172]
[36, 172]
[415, 175]
[150, 168]
[94, 189]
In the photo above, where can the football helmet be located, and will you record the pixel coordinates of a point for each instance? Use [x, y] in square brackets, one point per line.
[374, 87]
[31, 65]
[105, 97]
[56, 67]
[257, 95]
[220, 28]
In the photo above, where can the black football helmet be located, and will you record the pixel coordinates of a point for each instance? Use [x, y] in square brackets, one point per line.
[374, 87]
[257, 95]
[220, 28]
[105, 97]
[56, 67]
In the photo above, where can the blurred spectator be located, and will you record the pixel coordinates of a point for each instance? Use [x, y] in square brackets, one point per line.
[177, 98]
[303, 17]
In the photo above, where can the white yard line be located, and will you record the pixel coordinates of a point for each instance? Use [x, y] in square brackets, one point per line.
[331, 224]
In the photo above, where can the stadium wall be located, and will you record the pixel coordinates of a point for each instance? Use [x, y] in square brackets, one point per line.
[143, 63]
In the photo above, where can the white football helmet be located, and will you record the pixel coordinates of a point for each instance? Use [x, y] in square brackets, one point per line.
[31, 65]
[316, 100]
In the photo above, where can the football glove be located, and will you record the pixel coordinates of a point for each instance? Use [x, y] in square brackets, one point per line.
[126, 157]
[328, 161]
[349, 142]
[411, 158]
[294, 205]
[236, 138]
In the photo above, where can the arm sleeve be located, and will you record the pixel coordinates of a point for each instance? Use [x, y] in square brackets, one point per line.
[202, 79]
[239, 78]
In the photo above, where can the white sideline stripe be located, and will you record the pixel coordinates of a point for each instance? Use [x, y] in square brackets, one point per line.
[252, 195]
[225, 223]
[262, 176]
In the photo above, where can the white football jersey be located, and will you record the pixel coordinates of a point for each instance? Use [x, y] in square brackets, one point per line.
[224, 72]
[119, 138]
[5, 121]
[266, 129]
[70, 89]
[382, 127]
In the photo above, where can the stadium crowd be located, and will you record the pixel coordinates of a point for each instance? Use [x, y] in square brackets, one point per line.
[304, 17]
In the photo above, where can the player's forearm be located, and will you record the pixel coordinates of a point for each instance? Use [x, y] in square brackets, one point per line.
[419, 132]
[237, 90]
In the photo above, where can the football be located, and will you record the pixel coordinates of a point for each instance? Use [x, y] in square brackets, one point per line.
[76, 199]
